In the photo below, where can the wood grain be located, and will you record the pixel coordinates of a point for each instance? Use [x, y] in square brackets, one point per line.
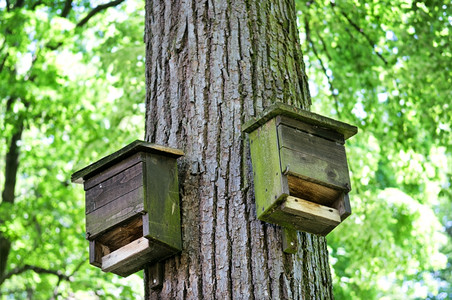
[114, 187]
[342, 204]
[293, 112]
[319, 147]
[125, 255]
[113, 170]
[316, 130]
[123, 233]
[118, 156]
[317, 193]
[315, 169]
[312, 211]
[269, 184]
[115, 212]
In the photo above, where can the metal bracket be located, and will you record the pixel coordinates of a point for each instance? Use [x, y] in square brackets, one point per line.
[286, 171]
[155, 273]
[289, 241]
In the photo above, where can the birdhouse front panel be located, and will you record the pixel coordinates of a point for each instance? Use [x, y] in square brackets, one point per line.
[132, 207]
[115, 195]
[301, 177]
[313, 159]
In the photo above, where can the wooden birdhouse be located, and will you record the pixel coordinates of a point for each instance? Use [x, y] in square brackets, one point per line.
[132, 207]
[300, 170]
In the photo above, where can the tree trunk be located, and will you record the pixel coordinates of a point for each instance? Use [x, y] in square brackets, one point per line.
[8, 196]
[211, 66]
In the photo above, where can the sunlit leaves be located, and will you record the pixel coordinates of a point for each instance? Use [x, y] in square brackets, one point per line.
[75, 109]
[389, 72]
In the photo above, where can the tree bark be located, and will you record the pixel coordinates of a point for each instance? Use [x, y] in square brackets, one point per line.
[211, 66]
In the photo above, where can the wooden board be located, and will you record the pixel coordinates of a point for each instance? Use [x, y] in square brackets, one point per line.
[296, 222]
[314, 169]
[315, 212]
[123, 233]
[298, 140]
[162, 200]
[317, 193]
[115, 212]
[281, 109]
[125, 255]
[269, 184]
[342, 204]
[129, 150]
[114, 187]
[155, 273]
[135, 255]
[315, 130]
[96, 252]
[113, 170]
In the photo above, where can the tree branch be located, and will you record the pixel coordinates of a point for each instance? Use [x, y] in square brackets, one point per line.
[35, 269]
[360, 31]
[98, 9]
[36, 4]
[67, 8]
[322, 65]
[323, 45]
[2, 64]
[19, 3]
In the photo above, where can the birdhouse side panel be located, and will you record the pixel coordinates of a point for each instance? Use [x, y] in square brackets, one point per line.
[162, 200]
[269, 184]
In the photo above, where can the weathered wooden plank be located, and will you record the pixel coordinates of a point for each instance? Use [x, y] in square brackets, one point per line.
[299, 114]
[314, 192]
[269, 184]
[300, 141]
[162, 200]
[296, 222]
[342, 204]
[115, 212]
[311, 129]
[114, 187]
[313, 211]
[129, 150]
[96, 251]
[316, 170]
[122, 234]
[125, 255]
[113, 170]
[134, 256]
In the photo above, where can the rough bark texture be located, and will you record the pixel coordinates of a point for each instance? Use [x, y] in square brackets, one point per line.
[211, 66]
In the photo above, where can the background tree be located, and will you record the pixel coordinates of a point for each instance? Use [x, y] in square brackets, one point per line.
[384, 66]
[62, 91]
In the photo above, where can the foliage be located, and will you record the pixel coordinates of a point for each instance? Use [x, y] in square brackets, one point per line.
[73, 89]
[385, 66]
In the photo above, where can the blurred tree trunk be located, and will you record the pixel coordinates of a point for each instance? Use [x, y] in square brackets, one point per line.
[211, 66]
[10, 173]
